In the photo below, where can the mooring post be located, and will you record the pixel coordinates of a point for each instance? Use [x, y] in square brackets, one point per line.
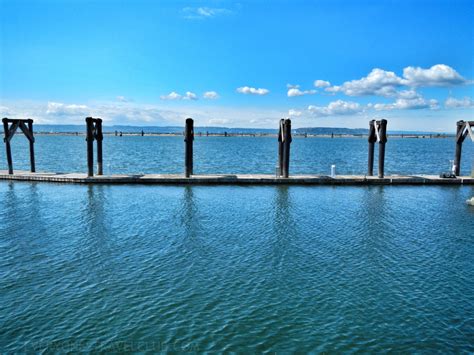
[188, 151]
[280, 147]
[32, 146]
[286, 147]
[90, 146]
[372, 140]
[99, 137]
[459, 140]
[383, 140]
[7, 145]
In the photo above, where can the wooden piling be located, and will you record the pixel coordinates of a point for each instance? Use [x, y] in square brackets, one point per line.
[280, 147]
[383, 140]
[459, 140]
[286, 148]
[372, 139]
[188, 151]
[7, 146]
[99, 137]
[31, 140]
[90, 146]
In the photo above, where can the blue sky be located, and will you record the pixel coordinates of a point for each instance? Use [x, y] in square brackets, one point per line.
[248, 63]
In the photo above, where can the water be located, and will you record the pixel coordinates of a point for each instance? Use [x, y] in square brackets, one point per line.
[239, 155]
[228, 268]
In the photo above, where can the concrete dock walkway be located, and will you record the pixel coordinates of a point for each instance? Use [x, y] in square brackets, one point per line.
[239, 179]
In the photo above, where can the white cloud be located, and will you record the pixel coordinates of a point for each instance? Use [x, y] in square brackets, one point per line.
[171, 96]
[253, 91]
[294, 113]
[321, 83]
[199, 13]
[190, 96]
[60, 109]
[379, 82]
[465, 102]
[437, 75]
[338, 107]
[294, 91]
[408, 104]
[384, 83]
[211, 95]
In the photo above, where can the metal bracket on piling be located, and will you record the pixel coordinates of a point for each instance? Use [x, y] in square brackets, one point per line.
[377, 133]
[94, 132]
[26, 127]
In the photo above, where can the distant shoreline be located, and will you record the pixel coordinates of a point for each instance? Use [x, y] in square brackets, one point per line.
[252, 135]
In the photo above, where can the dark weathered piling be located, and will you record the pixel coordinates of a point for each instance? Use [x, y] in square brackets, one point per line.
[372, 140]
[26, 127]
[94, 132]
[99, 137]
[7, 146]
[463, 128]
[382, 141]
[188, 151]
[377, 132]
[286, 148]
[90, 146]
[31, 140]
[280, 147]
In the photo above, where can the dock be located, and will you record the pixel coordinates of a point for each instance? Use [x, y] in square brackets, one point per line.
[230, 179]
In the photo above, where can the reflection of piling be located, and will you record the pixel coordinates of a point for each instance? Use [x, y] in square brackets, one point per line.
[188, 142]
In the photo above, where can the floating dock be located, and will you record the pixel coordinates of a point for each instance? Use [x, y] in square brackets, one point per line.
[239, 179]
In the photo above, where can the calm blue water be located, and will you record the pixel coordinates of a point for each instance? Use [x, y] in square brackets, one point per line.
[247, 269]
[233, 155]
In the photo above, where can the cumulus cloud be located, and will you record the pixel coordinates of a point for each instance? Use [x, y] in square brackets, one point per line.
[321, 83]
[379, 82]
[252, 91]
[171, 96]
[338, 107]
[211, 95]
[294, 113]
[384, 83]
[408, 104]
[175, 96]
[190, 96]
[465, 102]
[200, 13]
[437, 75]
[295, 91]
[60, 109]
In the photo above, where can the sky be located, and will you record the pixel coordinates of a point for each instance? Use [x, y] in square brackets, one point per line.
[239, 64]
